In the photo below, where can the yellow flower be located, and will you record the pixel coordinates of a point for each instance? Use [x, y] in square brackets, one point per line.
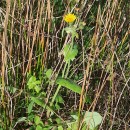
[69, 18]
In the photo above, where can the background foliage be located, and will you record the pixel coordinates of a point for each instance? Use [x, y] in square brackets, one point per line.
[36, 93]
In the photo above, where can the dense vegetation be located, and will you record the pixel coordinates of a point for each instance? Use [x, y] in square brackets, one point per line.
[64, 72]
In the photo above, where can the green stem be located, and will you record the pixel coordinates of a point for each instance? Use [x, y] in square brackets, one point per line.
[59, 86]
[67, 65]
[56, 93]
[63, 73]
[72, 42]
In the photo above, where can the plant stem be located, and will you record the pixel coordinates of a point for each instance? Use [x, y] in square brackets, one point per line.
[67, 65]
[59, 86]
[63, 73]
[56, 93]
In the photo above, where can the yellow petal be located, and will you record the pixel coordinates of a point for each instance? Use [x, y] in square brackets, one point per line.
[69, 18]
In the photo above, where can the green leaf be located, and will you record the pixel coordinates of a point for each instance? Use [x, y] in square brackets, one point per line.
[37, 89]
[21, 119]
[88, 99]
[70, 54]
[58, 120]
[71, 30]
[39, 127]
[69, 84]
[47, 128]
[59, 99]
[38, 101]
[38, 82]
[49, 73]
[31, 80]
[75, 117]
[30, 106]
[12, 89]
[60, 128]
[32, 83]
[72, 125]
[92, 119]
[57, 106]
[31, 117]
[37, 120]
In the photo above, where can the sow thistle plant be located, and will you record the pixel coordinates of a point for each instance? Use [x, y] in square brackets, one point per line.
[70, 51]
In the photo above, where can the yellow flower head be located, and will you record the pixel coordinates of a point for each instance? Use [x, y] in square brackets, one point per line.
[69, 18]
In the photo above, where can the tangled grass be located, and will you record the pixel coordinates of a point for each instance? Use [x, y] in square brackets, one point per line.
[31, 44]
